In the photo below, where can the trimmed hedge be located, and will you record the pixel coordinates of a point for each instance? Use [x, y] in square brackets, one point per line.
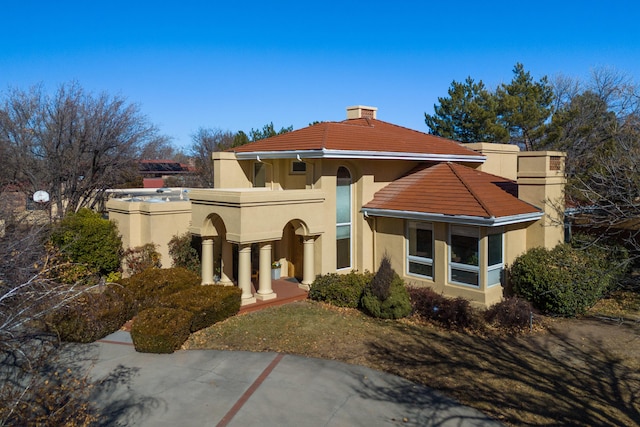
[342, 290]
[207, 304]
[91, 316]
[150, 286]
[160, 330]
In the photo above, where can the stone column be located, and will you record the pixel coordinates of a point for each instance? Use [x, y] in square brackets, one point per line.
[207, 260]
[264, 275]
[244, 274]
[308, 262]
[226, 264]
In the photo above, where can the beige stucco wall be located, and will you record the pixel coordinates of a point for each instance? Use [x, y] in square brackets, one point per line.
[502, 159]
[542, 184]
[150, 222]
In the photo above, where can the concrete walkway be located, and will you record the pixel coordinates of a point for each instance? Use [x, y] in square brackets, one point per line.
[225, 388]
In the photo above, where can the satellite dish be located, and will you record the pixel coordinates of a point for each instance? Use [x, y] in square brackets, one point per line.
[41, 196]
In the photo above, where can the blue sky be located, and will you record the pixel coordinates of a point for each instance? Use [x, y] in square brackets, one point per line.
[240, 65]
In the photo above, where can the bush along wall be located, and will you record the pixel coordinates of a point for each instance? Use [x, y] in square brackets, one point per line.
[386, 296]
[342, 290]
[562, 281]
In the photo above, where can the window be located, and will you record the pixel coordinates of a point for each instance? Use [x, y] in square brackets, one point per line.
[298, 167]
[420, 249]
[259, 175]
[464, 260]
[343, 218]
[495, 258]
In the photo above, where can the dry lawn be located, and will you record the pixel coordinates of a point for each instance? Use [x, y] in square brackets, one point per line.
[582, 372]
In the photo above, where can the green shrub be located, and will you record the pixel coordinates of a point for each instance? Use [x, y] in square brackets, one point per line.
[453, 313]
[512, 313]
[160, 330]
[139, 258]
[561, 281]
[380, 285]
[92, 315]
[208, 304]
[183, 253]
[88, 239]
[396, 306]
[148, 287]
[342, 290]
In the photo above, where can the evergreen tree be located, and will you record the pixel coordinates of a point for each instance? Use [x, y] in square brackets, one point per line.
[469, 114]
[524, 107]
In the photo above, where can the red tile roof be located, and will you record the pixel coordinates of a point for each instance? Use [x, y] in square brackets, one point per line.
[451, 189]
[360, 135]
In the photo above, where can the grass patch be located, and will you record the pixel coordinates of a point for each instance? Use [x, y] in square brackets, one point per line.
[579, 372]
[618, 305]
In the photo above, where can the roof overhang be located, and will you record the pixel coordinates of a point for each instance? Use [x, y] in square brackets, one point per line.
[454, 219]
[349, 154]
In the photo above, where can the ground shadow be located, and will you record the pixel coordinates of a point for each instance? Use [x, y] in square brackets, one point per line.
[551, 379]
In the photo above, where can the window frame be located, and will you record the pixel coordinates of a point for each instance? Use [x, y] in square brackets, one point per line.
[345, 224]
[256, 173]
[464, 231]
[500, 265]
[293, 171]
[417, 259]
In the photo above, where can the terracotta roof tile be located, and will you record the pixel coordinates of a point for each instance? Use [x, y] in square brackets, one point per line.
[451, 189]
[358, 135]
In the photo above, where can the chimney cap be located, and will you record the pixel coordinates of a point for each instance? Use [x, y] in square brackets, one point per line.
[361, 111]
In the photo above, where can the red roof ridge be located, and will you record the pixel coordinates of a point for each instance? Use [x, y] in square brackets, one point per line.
[469, 187]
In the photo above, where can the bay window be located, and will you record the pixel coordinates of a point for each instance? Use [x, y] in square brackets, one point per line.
[464, 259]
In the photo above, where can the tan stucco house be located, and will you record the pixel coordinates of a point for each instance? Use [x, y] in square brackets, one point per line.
[337, 196]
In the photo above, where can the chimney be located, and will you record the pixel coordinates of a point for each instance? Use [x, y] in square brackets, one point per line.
[541, 182]
[361, 112]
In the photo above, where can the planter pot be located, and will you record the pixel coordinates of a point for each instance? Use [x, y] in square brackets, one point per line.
[275, 273]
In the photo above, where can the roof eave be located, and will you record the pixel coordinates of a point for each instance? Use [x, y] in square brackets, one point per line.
[351, 154]
[455, 219]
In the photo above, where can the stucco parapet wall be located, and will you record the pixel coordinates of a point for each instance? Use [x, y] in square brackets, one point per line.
[146, 207]
[250, 215]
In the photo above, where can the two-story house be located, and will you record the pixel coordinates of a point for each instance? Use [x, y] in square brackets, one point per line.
[337, 196]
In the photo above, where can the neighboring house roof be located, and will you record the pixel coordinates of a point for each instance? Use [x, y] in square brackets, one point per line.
[449, 192]
[165, 167]
[358, 138]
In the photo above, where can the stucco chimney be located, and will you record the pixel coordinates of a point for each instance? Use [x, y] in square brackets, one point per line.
[541, 182]
[361, 112]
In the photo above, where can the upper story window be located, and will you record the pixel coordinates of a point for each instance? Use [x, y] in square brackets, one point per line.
[420, 249]
[343, 218]
[298, 167]
[259, 175]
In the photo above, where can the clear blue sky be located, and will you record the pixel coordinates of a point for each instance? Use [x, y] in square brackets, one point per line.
[239, 65]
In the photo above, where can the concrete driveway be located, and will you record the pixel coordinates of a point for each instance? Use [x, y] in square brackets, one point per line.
[228, 388]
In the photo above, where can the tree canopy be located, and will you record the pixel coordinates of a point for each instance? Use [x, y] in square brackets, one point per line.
[515, 112]
[71, 143]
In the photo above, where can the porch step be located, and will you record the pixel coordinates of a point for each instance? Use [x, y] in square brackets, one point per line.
[286, 291]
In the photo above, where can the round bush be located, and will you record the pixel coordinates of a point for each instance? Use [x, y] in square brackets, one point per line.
[342, 290]
[562, 281]
[88, 239]
[512, 313]
[396, 306]
[160, 330]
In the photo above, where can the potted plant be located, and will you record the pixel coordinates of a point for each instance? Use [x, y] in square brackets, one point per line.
[275, 270]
